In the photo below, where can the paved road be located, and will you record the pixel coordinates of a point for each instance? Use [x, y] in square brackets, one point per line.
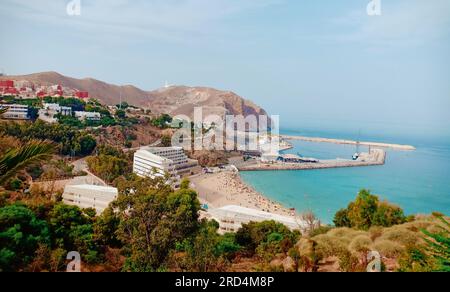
[156, 143]
[81, 165]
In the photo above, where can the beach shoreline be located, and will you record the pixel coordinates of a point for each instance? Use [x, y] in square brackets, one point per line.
[227, 188]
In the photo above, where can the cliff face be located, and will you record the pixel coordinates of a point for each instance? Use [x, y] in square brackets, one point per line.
[173, 100]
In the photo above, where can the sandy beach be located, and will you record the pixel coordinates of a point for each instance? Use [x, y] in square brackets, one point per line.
[227, 188]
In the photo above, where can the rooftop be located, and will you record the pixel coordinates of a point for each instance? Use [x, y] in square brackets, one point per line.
[256, 213]
[94, 188]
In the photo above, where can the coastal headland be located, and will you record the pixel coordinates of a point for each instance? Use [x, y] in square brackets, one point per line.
[349, 142]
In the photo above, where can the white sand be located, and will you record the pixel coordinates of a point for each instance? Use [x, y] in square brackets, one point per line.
[226, 188]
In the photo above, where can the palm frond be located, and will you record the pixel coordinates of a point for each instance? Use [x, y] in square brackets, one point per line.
[17, 159]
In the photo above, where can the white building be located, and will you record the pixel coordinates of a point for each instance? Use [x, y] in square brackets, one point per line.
[15, 112]
[270, 157]
[89, 116]
[157, 161]
[231, 218]
[90, 196]
[55, 108]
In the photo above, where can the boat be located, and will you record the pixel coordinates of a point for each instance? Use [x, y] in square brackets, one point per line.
[357, 153]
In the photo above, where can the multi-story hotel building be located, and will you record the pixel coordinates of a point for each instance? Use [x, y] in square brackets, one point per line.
[158, 161]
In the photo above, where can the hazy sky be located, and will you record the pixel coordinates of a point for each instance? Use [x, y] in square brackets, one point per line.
[316, 63]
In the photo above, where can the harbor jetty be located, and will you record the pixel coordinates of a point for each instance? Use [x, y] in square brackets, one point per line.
[349, 142]
[375, 157]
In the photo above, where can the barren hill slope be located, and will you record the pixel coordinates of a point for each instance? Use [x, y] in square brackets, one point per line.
[173, 100]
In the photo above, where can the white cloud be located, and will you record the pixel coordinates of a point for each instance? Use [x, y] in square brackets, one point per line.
[404, 23]
[171, 19]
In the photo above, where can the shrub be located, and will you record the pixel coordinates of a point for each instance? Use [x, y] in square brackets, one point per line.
[347, 261]
[367, 211]
[329, 246]
[320, 230]
[375, 232]
[401, 236]
[415, 259]
[388, 248]
[360, 244]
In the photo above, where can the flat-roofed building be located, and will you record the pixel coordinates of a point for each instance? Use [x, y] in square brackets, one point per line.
[55, 108]
[157, 161]
[90, 196]
[231, 218]
[88, 116]
[15, 112]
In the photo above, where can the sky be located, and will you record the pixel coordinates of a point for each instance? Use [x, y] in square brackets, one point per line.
[317, 63]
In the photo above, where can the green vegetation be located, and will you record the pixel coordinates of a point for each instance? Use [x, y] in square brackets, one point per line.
[110, 163]
[20, 235]
[152, 227]
[367, 211]
[69, 141]
[160, 218]
[439, 244]
[75, 103]
[19, 158]
[162, 121]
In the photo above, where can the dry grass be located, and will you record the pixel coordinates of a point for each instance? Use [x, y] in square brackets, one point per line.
[401, 235]
[389, 242]
[329, 245]
[388, 248]
[360, 243]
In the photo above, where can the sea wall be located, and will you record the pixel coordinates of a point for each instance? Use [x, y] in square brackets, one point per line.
[375, 157]
[350, 142]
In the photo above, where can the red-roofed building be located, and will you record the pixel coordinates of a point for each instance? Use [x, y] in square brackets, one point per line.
[6, 83]
[41, 94]
[11, 90]
[82, 94]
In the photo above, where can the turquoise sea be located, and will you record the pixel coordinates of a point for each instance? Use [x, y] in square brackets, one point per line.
[418, 181]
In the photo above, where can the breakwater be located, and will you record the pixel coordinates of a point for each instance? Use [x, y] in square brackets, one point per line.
[350, 142]
[375, 157]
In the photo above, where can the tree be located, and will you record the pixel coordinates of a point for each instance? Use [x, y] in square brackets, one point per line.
[367, 211]
[388, 215]
[17, 159]
[109, 167]
[162, 121]
[185, 183]
[72, 230]
[121, 114]
[361, 211]
[152, 219]
[256, 235]
[69, 140]
[166, 141]
[201, 252]
[85, 144]
[105, 229]
[21, 233]
[341, 219]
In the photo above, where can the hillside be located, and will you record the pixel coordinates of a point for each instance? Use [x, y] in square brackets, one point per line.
[173, 100]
